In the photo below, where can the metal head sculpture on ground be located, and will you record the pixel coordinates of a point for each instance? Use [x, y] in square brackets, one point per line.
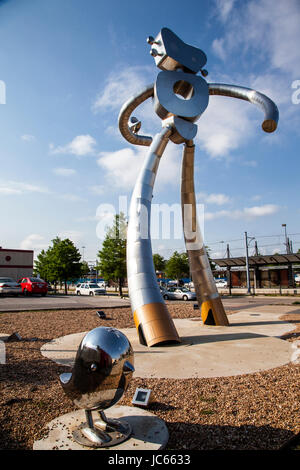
[179, 98]
[101, 373]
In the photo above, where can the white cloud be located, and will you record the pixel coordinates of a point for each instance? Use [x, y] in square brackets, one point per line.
[213, 198]
[224, 126]
[97, 189]
[34, 242]
[16, 187]
[218, 48]
[88, 218]
[247, 212]
[80, 145]
[64, 171]
[122, 166]
[69, 197]
[224, 8]
[259, 211]
[120, 86]
[28, 137]
[75, 236]
[271, 29]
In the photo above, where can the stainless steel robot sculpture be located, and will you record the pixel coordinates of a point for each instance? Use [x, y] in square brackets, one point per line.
[101, 374]
[179, 98]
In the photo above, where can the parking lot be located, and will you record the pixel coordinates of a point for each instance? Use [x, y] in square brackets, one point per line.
[60, 301]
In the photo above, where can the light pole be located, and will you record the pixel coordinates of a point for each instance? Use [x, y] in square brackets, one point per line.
[83, 247]
[247, 242]
[286, 239]
[289, 250]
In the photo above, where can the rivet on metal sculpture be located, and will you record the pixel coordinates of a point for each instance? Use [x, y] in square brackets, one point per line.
[101, 373]
[179, 98]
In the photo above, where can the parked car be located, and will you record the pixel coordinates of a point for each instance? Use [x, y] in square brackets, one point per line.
[33, 285]
[9, 286]
[102, 284]
[90, 289]
[221, 283]
[178, 293]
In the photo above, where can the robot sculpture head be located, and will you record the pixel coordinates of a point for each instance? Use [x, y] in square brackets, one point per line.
[102, 371]
[171, 53]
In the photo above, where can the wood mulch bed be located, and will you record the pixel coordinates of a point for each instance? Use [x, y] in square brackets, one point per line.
[255, 411]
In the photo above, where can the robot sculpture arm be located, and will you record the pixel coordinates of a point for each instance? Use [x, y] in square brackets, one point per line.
[179, 63]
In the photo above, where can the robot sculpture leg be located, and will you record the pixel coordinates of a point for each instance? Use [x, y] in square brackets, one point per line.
[151, 316]
[212, 310]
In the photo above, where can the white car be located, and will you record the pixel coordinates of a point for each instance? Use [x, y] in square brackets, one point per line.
[221, 283]
[9, 286]
[89, 289]
[101, 284]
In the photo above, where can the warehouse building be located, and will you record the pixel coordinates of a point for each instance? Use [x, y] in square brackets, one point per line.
[16, 263]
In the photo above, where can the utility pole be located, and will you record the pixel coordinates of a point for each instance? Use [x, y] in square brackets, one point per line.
[247, 261]
[287, 246]
[288, 252]
[229, 270]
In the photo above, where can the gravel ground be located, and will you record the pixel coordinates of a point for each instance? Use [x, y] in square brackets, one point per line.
[257, 411]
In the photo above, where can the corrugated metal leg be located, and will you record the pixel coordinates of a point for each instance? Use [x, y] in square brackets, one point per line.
[151, 316]
[212, 310]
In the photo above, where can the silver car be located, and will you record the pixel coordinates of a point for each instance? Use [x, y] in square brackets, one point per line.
[9, 286]
[178, 293]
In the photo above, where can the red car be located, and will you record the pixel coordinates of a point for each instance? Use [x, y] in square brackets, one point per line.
[33, 285]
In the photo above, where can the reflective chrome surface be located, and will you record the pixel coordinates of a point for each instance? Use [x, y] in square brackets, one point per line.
[262, 101]
[142, 284]
[125, 113]
[102, 370]
[179, 63]
[171, 53]
[168, 88]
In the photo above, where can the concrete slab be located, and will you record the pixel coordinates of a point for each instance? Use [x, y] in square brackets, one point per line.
[148, 431]
[250, 344]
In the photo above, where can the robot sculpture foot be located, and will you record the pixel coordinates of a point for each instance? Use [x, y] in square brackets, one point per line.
[101, 433]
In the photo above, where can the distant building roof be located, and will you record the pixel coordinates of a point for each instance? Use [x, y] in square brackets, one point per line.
[261, 260]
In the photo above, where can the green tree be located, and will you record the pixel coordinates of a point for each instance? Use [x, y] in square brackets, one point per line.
[159, 262]
[177, 266]
[41, 267]
[61, 262]
[212, 264]
[112, 256]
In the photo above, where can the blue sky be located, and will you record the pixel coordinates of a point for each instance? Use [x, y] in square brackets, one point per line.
[69, 65]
